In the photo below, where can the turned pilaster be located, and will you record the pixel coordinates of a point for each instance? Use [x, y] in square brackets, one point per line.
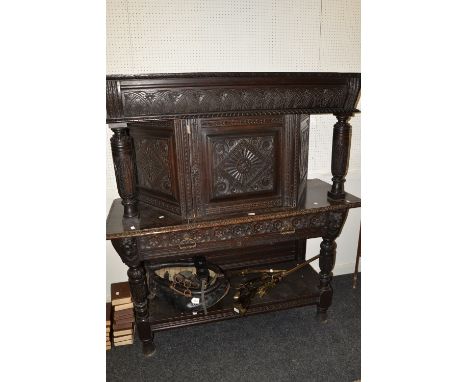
[340, 156]
[128, 251]
[125, 170]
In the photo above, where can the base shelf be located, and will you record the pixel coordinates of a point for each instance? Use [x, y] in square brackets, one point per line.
[298, 289]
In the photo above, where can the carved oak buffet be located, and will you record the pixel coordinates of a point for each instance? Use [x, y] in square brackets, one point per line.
[216, 163]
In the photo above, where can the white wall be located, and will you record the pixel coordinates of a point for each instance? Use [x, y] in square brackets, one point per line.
[158, 36]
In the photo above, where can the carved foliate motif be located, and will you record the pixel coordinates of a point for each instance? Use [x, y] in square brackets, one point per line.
[152, 157]
[335, 223]
[127, 250]
[243, 165]
[231, 232]
[176, 101]
[241, 121]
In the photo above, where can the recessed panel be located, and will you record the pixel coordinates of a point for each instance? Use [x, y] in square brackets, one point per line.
[152, 157]
[243, 164]
[157, 178]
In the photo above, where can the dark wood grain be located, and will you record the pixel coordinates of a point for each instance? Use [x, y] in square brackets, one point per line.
[153, 221]
[157, 96]
[211, 167]
[128, 252]
[340, 156]
[124, 166]
[216, 164]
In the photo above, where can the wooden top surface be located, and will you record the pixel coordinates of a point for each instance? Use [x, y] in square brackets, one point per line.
[152, 220]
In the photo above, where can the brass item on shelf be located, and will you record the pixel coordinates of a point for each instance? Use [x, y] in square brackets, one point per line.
[259, 286]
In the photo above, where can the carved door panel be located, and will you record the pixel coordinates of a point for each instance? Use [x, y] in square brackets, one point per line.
[240, 164]
[155, 157]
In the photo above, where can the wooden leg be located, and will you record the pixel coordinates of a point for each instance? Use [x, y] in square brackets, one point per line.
[340, 156]
[335, 224]
[326, 263]
[128, 251]
[139, 290]
[358, 256]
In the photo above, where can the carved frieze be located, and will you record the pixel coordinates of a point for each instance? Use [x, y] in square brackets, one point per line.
[193, 237]
[186, 101]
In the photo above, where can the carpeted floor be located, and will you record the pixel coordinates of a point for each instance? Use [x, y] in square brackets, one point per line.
[290, 345]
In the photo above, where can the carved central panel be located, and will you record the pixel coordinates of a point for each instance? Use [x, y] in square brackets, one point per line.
[152, 157]
[243, 165]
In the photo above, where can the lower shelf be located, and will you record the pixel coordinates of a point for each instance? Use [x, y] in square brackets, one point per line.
[298, 289]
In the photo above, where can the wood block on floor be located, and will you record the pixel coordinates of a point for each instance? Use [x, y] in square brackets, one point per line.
[123, 338]
[120, 293]
[127, 342]
[123, 306]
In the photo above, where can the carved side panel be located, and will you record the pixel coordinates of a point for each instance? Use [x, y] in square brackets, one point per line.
[152, 157]
[156, 163]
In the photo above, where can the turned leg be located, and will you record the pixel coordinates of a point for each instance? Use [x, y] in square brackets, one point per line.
[128, 251]
[340, 156]
[326, 264]
[125, 171]
[358, 256]
[139, 290]
[335, 222]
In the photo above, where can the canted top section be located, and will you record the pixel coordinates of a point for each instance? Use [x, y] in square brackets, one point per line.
[191, 95]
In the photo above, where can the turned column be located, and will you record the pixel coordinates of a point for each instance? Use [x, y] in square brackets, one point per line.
[335, 222]
[128, 252]
[326, 264]
[340, 156]
[124, 166]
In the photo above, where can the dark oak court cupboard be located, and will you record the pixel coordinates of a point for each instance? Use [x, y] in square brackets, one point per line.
[216, 164]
